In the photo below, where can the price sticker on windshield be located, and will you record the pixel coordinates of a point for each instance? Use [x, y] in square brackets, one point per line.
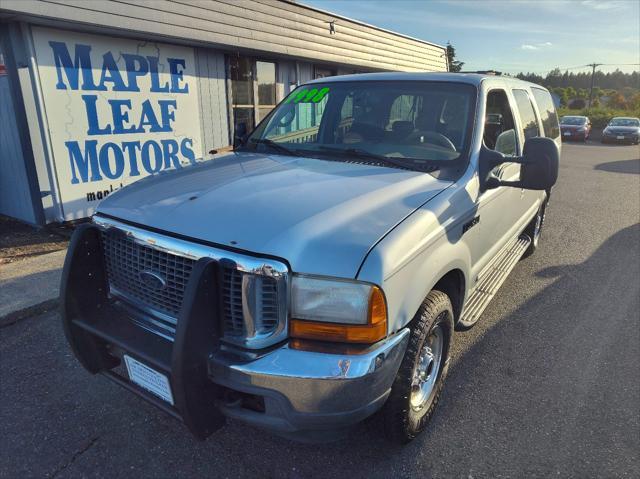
[308, 95]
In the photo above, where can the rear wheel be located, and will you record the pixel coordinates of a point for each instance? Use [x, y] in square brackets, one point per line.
[416, 390]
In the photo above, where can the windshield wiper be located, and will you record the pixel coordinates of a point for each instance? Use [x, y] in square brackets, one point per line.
[386, 160]
[274, 145]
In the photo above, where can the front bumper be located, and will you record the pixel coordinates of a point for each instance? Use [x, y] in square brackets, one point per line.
[615, 138]
[300, 394]
[574, 134]
[310, 394]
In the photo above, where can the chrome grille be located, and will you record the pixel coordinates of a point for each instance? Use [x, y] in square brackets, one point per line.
[266, 303]
[125, 259]
[232, 301]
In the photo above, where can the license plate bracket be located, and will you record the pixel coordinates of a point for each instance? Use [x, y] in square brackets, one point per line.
[148, 379]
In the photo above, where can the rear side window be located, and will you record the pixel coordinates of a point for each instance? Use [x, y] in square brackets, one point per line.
[547, 111]
[527, 114]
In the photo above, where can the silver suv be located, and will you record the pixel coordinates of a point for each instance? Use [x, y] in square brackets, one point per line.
[316, 274]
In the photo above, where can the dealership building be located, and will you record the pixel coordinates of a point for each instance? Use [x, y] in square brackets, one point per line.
[95, 95]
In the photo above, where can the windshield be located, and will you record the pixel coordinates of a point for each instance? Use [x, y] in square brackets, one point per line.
[398, 123]
[573, 120]
[625, 122]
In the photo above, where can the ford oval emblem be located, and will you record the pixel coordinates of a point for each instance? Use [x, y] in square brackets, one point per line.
[152, 280]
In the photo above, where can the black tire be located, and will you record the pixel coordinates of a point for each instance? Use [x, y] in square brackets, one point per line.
[402, 421]
[533, 230]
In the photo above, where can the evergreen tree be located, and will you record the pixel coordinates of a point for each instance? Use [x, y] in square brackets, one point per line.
[454, 65]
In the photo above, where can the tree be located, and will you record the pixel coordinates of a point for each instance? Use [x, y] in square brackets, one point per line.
[454, 65]
[577, 104]
[564, 97]
[618, 101]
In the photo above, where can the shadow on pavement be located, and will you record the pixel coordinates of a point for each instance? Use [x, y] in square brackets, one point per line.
[622, 166]
[544, 394]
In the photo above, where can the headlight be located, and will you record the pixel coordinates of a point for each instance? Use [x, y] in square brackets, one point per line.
[582, 128]
[337, 310]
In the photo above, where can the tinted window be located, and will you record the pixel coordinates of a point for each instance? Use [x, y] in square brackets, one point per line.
[527, 114]
[547, 112]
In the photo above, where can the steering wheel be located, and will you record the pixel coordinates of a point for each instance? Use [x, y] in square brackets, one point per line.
[432, 137]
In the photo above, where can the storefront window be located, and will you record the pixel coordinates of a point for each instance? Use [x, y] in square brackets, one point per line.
[242, 81]
[266, 79]
[253, 90]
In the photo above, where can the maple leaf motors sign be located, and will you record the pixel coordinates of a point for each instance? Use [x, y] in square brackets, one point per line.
[116, 110]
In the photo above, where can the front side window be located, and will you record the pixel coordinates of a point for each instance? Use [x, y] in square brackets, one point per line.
[499, 127]
[406, 123]
[528, 119]
[548, 112]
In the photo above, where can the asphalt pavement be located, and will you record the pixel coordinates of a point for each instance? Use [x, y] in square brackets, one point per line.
[545, 384]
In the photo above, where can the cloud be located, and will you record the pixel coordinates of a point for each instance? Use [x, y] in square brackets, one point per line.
[535, 46]
[600, 5]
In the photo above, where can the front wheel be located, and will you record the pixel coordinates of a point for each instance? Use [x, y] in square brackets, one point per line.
[420, 379]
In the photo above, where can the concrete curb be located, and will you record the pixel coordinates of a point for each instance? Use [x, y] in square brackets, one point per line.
[27, 286]
[15, 316]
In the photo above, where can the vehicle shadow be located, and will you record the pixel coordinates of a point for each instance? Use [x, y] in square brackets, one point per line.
[621, 166]
[563, 379]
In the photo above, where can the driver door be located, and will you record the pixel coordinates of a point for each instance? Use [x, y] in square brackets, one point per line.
[498, 207]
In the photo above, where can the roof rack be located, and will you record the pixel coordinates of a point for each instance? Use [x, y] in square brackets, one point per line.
[486, 72]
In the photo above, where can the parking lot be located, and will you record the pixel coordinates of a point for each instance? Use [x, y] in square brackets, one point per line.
[545, 384]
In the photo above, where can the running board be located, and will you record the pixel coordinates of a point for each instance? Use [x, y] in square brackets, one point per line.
[491, 279]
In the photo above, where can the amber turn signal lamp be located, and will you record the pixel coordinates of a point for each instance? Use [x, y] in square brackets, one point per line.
[374, 330]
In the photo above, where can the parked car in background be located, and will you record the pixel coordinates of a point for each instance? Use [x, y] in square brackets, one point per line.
[622, 130]
[575, 128]
[316, 274]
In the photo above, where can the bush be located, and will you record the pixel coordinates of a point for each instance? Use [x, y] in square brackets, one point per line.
[577, 104]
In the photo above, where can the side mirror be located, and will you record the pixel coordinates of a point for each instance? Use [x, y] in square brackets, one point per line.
[539, 169]
[239, 135]
[540, 164]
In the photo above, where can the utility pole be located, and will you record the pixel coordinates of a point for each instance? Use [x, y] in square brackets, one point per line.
[593, 74]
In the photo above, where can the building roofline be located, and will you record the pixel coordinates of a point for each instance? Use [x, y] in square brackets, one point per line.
[364, 24]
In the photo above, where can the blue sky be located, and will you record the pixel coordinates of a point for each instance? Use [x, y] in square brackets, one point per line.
[512, 36]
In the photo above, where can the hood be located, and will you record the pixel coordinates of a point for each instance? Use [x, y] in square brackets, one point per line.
[320, 216]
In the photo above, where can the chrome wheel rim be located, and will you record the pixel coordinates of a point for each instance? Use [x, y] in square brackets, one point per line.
[425, 373]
